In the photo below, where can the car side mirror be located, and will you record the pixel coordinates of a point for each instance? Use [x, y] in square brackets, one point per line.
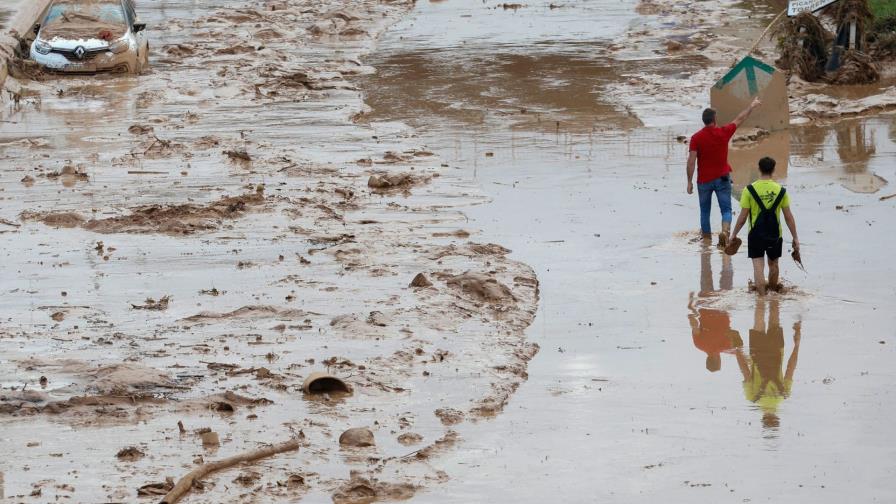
[36, 28]
[139, 27]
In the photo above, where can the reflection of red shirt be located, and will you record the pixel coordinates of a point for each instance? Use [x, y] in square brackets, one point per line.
[714, 335]
[711, 146]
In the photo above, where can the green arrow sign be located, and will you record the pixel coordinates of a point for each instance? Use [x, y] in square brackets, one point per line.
[749, 66]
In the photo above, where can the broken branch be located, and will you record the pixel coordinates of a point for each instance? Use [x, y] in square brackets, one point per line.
[186, 483]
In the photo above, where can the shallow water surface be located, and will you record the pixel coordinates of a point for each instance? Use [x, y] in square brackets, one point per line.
[661, 378]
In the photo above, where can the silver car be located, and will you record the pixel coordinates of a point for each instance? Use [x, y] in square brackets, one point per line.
[88, 36]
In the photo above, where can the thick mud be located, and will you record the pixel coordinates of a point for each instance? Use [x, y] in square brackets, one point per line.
[181, 250]
[650, 384]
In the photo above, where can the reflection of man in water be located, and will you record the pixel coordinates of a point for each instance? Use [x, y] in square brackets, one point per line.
[711, 328]
[764, 382]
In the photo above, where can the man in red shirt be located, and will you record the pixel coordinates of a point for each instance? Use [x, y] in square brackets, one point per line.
[709, 155]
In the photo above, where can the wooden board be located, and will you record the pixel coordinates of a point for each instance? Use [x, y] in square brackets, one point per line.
[750, 78]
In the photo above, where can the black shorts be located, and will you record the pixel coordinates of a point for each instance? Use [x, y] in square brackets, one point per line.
[757, 249]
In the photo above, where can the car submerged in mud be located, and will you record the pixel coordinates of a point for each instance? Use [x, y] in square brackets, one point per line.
[90, 36]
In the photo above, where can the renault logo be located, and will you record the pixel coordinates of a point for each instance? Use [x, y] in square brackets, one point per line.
[80, 52]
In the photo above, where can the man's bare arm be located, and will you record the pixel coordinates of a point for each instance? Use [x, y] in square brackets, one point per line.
[692, 166]
[746, 112]
[741, 220]
[791, 225]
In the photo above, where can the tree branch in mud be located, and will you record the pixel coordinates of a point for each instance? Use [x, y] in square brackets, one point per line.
[184, 485]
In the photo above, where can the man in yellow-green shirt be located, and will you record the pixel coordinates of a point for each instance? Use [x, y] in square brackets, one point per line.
[764, 201]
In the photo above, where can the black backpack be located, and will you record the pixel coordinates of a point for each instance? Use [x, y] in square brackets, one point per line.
[766, 228]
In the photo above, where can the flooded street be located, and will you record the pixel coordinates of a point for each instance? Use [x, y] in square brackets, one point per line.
[183, 249]
[619, 405]
[462, 211]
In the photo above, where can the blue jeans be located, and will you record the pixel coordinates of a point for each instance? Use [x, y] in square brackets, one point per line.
[722, 187]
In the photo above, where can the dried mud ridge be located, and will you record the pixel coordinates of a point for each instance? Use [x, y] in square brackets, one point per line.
[342, 267]
[175, 220]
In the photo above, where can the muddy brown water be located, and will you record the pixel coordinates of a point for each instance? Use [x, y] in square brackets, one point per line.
[168, 281]
[620, 404]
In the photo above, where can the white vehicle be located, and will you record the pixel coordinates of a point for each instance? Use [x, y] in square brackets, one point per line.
[88, 36]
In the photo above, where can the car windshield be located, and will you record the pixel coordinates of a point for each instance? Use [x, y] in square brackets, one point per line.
[86, 11]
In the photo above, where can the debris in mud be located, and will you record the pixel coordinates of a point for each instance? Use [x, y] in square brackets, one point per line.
[394, 181]
[226, 403]
[140, 129]
[360, 490]
[439, 445]
[152, 304]
[112, 384]
[192, 478]
[488, 249]
[293, 482]
[449, 416]
[247, 478]
[357, 437]
[323, 383]
[481, 287]
[156, 148]
[156, 489]
[177, 219]
[377, 318]
[882, 38]
[179, 50]
[58, 316]
[221, 407]
[410, 438]
[346, 194]
[126, 379]
[459, 233]
[173, 220]
[856, 68]
[420, 280]
[250, 312]
[207, 142]
[392, 157]
[56, 220]
[69, 173]
[130, 454]
[238, 155]
[802, 42]
[210, 439]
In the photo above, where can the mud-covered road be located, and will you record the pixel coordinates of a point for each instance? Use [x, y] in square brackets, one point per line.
[191, 244]
[620, 405]
[187, 246]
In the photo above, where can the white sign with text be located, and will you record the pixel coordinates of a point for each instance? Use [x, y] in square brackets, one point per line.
[795, 7]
